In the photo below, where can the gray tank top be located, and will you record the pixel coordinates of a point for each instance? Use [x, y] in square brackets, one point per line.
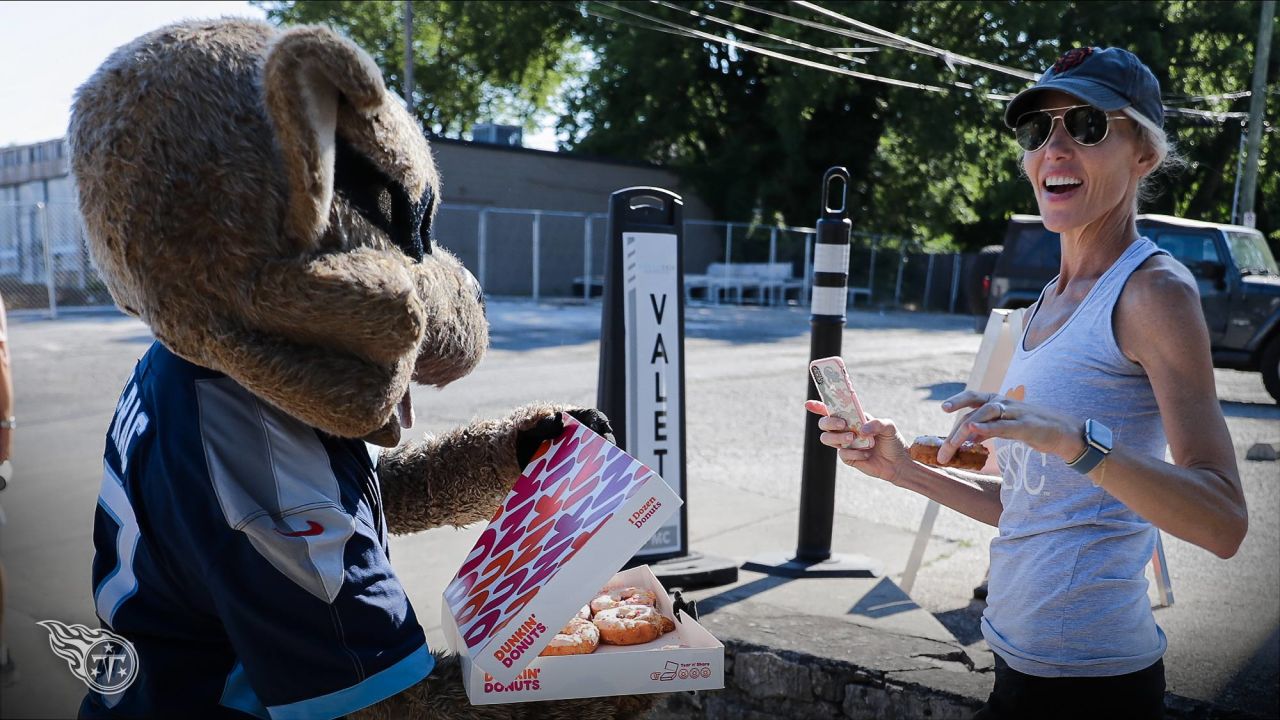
[1067, 596]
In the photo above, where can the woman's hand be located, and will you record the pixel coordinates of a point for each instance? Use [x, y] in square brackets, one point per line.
[995, 416]
[887, 455]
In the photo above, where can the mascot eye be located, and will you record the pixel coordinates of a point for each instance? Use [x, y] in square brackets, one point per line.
[381, 201]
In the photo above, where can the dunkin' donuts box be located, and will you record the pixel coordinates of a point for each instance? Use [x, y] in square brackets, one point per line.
[581, 509]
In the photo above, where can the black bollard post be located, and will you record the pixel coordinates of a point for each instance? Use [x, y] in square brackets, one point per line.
[813, 557]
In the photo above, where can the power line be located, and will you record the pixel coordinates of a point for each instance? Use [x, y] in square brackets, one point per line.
[815, 25]
[777, 55]
[1208, 98]
[884, 42]
[641, 26]
[899, 42]
[672, 28]
[746, 29]
[946, 55]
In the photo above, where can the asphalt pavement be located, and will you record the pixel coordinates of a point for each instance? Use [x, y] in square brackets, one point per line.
[745, 385]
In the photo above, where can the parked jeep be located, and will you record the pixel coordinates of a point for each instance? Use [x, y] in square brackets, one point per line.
[1237, 275]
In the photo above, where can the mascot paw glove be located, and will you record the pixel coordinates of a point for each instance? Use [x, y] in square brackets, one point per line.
[550, 427]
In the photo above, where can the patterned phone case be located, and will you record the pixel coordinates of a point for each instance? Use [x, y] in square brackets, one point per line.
[832, 380]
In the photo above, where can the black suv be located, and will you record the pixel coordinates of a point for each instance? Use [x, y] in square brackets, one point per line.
[1235, 270]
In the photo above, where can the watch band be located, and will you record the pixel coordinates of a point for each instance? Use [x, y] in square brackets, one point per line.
[1096, 448]
[1088, 460]
[9, 423]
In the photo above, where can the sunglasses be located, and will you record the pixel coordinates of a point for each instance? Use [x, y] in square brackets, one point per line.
[1087, 125]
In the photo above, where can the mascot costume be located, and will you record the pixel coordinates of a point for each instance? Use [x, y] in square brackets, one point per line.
[260, 200]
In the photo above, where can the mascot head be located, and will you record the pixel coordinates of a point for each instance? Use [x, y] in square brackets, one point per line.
[264, 204]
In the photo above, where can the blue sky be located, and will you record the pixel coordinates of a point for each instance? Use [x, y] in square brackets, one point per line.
[48, 48]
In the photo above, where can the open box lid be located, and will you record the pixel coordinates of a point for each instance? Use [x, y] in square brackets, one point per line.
[582, 508]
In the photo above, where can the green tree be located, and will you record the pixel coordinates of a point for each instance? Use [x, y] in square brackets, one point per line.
[473, 61]
[753, 132]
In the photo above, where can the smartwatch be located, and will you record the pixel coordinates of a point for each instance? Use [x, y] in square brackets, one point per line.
[1097, 445]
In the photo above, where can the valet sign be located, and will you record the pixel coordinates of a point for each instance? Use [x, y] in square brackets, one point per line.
[651, 308]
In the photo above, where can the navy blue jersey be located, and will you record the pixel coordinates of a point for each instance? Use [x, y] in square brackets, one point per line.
[244, 554]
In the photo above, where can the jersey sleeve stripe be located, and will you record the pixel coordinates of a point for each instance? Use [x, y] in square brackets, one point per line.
[121, 583]
[238, 695]
[376, 688]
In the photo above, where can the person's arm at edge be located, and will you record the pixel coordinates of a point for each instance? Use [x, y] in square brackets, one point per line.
[6, 395]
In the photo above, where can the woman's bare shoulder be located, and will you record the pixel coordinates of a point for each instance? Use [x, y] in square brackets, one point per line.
[1160, 305]
[1160, 282]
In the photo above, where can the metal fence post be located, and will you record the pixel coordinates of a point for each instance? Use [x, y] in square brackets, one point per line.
[43, 211]
[928, 283]
[586, 257]
[481, 247]
[808, 263]
[773, 245]
[955, 281]
[871, 274]
[537, 246]
[897, 288]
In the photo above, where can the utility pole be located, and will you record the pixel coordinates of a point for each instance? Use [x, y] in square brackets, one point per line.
[408, 54]
[1257, 102]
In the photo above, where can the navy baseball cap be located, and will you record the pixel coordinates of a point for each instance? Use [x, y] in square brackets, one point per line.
[1107, 78]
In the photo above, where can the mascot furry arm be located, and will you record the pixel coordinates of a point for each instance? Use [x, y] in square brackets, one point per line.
[261, 201]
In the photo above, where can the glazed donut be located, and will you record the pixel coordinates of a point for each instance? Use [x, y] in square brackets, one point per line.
[579, 637]
[970, 455]
[584, 613]
[623, 596]
[631, 624]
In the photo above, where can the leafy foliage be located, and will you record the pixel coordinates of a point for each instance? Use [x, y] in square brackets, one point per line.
[473, 61]
[754, 134]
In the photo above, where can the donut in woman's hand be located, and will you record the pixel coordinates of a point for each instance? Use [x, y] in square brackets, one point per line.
[579, 637]
[970, 455]
[631, 624]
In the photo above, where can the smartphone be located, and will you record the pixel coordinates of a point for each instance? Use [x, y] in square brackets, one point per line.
[836, 392]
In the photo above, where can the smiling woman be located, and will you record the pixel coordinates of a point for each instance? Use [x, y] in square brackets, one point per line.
[1112, 369]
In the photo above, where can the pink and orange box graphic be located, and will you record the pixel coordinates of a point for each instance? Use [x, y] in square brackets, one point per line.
[582, 508]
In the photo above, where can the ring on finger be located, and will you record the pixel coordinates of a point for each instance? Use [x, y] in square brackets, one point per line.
[1000, 407]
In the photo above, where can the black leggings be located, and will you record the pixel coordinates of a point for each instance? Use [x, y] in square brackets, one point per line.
[1136, 696]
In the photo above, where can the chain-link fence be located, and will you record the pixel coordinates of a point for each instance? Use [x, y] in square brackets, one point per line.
[44, 260]
[539, 254]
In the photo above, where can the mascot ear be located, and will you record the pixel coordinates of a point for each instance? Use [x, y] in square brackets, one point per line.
[308, 71]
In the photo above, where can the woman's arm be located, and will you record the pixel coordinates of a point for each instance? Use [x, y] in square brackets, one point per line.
[1159, 325]
[977, 496]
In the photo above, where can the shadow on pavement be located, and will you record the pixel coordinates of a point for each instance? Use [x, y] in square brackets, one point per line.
[742, 592]
[1256, 411]
[941, 391]
[883, 600]
[1258, 672]
[964, 623]
[140, 339]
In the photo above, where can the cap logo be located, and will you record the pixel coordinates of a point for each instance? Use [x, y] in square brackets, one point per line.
[1072, 58]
